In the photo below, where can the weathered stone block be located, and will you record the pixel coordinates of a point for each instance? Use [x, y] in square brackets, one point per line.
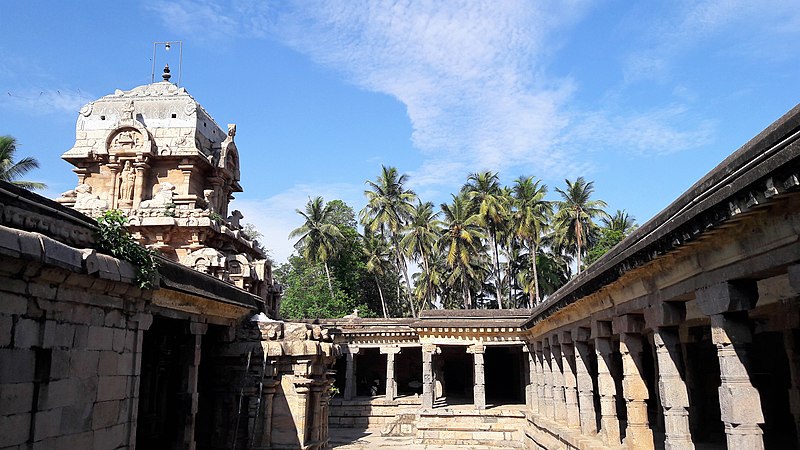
[740, 405]
[56, 394]
[14, 429]
[47, 424]
[108, 363]
[740, 295]
[100, 338]
[13, 304]
[77, 417]
[58, 335]
[105, 414]
[6, 325]
[79, 440]
[16, 365]
[15, 398]
[118, 344]
[111, 388]
[26, 333]
[111, 437]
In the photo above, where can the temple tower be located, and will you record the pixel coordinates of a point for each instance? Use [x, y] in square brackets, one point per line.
[154, 153]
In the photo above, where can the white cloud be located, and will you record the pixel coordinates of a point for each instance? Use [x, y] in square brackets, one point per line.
[771, 24]
[46, 101]
[656, 132]
[275, 216]
[470, 74]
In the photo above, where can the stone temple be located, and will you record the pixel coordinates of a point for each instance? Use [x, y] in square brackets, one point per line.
[684, 336]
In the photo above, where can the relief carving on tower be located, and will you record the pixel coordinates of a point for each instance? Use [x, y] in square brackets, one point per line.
[155, 154]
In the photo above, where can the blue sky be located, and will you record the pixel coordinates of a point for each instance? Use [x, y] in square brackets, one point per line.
[642, 97]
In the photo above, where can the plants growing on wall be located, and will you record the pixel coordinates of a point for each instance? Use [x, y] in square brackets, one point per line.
[114, 238]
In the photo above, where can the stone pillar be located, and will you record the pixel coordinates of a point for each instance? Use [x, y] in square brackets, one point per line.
[538, 361]
[740, 404]
[559, 402]
[262, 432]
[350, 372]
[530, 388]
[547, 384]
[427, 375]
[191, 372]
[609, 422]
[638, 434]
[391, 383]
[790, 339]
[479, 387]
[791, 336]
[299, 408]
[663, 319]
[570, 382]
[139, 189]
[583, 380]
[114, 202]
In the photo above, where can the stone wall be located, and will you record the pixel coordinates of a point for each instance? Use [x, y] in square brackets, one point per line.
[71, 324]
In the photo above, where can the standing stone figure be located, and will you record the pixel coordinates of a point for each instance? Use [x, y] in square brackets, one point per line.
[127, 181]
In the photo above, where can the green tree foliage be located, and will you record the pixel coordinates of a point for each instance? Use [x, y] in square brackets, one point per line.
[113, 238]
[614, 230]
[492, 246]
[319, 237]
[308, 296]
[11, 171]
[573, 223]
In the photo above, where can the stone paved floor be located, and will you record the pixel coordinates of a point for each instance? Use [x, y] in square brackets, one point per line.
[358, 439]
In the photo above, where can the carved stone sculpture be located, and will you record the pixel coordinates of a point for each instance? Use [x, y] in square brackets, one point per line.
[84, 199]
[127, 182]
[162, 198]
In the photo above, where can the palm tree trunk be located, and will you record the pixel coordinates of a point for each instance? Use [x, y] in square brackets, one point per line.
[496, 257]
[578, 238]
[401, 264]
[380, 293]
[535, 276]
[328, 275]
[429, 291]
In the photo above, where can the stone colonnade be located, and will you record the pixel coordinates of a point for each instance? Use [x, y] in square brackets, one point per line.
[572, 369]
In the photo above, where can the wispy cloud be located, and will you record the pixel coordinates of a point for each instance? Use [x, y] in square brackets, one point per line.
[275, 216]
[45, 101]
[470, 74]
[761, 29]
[656, 132]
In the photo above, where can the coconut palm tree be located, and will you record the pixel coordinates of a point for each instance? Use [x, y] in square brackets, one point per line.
[621, 221]
[388, 210]
[459, 242]
[378, 253]
[419, 241]
[530, 217]
[318, 237]
[10, 171]
[574, 221]
[483, 190]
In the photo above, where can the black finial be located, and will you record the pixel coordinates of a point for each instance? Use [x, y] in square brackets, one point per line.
[166, 76]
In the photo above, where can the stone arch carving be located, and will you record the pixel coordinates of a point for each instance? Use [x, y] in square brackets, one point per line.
[207, 260]
[129, 139]
[229, 159]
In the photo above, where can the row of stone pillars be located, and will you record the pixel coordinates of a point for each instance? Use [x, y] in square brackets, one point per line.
[562, 384]
[428, 378]
[350, 371]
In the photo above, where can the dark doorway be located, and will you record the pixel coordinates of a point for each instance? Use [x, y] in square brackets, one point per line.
[769, 373]
[503, 368]
[370, 372]
[456, 374]
[341, 372]
[161, 412]
[408, 371]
